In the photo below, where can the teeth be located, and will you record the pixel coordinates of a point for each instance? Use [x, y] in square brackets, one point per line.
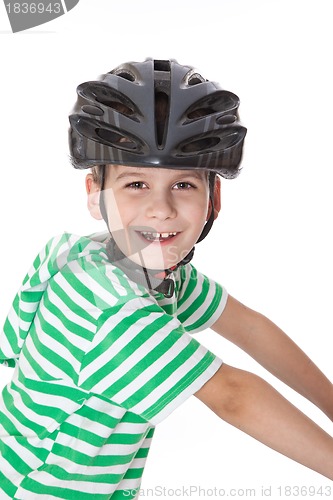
[165, 235]
[158, 235]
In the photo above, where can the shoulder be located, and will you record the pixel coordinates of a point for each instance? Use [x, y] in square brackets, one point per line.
[86, 267]
[200, 300]
[192, 284]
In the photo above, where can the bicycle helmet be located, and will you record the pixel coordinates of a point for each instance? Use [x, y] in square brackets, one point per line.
[115, 122]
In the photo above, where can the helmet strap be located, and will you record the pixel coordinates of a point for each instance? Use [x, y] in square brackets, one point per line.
[102, 206]
[158, 280]
[209, 223]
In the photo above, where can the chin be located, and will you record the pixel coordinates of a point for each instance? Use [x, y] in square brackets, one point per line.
[149, 260]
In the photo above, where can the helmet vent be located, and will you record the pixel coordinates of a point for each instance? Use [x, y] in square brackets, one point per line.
[125, 74]
[101, 94]
[109, 137]
[200, 145]
[121, 108]
[199, 113]
[221, 140]
[195, 79]
[92, 110]
[226, 119]
[161, 65]
[162, 104]
[223, 103]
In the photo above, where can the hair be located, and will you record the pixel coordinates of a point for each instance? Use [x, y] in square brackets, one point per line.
[97, 173]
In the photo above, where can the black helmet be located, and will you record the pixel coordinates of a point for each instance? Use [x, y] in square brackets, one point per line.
[116, 121]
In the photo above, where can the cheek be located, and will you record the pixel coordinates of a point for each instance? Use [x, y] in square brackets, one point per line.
[197, 210]
[120, 211]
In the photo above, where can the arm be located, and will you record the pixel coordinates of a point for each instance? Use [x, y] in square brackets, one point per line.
[252, 405]
[276, 352]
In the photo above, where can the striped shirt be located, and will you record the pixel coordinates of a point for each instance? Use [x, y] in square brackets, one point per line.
[98, 362]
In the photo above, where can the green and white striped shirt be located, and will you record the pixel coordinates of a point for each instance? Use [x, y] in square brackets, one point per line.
[99, 361]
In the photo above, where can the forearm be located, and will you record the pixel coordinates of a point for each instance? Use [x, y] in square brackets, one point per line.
[275, 351]
[252, 405]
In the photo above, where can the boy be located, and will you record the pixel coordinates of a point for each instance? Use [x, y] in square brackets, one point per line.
[99, 332]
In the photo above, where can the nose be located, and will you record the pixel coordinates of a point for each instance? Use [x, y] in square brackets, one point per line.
[161, 206]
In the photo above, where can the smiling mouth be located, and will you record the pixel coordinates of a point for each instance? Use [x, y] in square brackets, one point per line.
[152, 236]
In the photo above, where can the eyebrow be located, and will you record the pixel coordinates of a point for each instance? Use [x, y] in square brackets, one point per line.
[135, 173]
[143, 173]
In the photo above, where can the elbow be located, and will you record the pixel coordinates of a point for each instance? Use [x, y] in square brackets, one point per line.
[235, 398]
[231, 403]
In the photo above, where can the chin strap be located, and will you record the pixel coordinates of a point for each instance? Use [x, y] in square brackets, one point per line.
[153, 279]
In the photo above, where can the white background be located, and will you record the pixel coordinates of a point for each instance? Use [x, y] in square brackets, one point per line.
[271, 247]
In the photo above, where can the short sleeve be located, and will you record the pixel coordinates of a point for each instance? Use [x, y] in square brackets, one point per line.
[143, 360]
[200, 300]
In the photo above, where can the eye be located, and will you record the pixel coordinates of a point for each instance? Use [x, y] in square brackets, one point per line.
[183, 185]
[136, 185]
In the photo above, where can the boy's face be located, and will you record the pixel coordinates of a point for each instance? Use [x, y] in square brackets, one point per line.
[155, 215]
